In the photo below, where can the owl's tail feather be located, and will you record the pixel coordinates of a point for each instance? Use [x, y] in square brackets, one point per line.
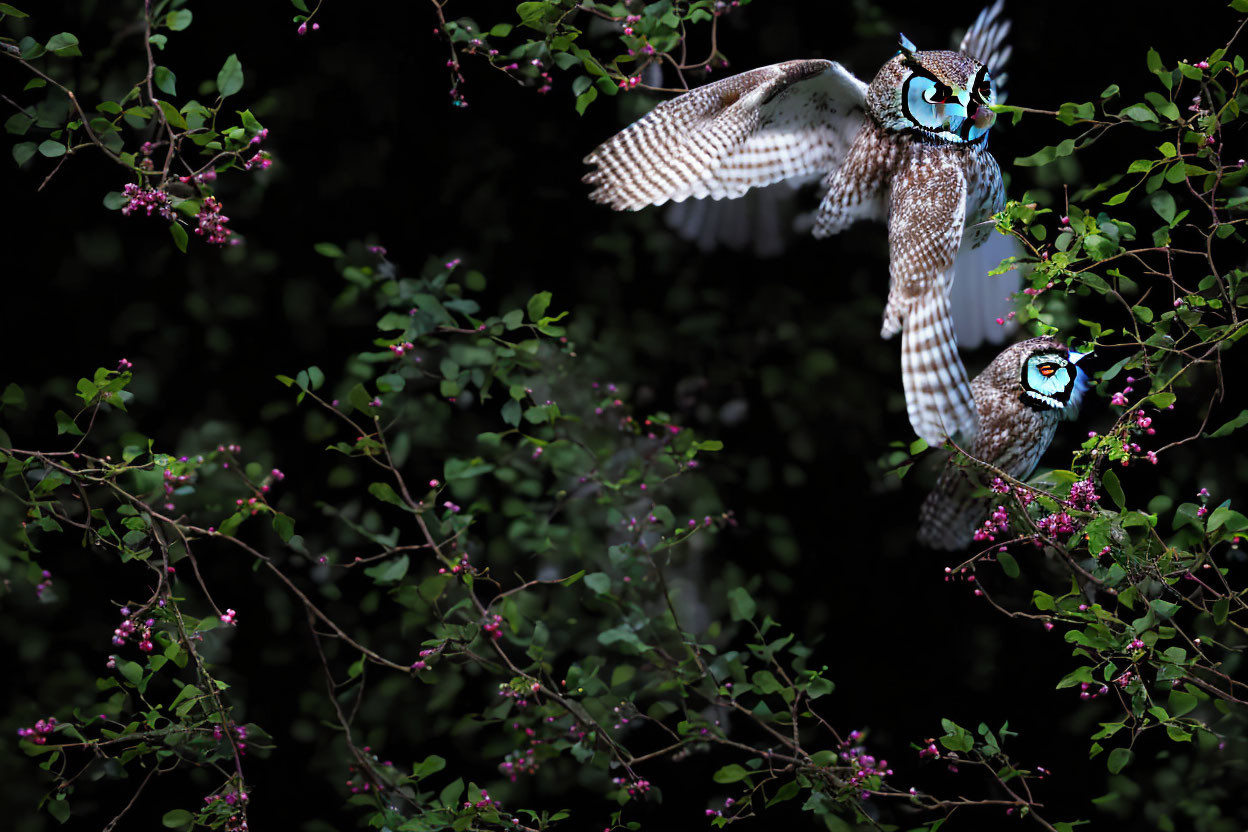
[951, 513]
[938, 392]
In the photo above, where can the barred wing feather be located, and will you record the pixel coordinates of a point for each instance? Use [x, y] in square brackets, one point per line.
[777, 122]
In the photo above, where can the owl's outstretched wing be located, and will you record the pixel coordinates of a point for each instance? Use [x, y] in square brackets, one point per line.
[927, 213]
[985, 42]
[777, 122]
[980, 299]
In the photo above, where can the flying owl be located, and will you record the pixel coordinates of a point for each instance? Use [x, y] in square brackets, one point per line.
[1020, 398]
[910, 148]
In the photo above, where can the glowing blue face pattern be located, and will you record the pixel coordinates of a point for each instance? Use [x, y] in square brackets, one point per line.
[1049, 378]
[951, 114]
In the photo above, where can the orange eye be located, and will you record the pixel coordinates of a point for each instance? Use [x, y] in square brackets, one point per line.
[1047, 370]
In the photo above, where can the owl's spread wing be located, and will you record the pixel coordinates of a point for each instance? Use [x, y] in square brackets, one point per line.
[777, 122]
[980, 299]
[985, 42]
[927, 213]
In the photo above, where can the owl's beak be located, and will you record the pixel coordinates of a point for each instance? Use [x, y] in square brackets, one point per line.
[982, 117]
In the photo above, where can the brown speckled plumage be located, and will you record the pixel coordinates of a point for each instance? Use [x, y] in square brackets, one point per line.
[801, 118]
[1012, 437]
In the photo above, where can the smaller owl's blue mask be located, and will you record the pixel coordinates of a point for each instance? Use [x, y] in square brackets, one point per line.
[952, 114]
[1051, 381]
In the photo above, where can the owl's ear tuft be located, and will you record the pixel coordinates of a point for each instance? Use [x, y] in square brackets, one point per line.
[907, 46]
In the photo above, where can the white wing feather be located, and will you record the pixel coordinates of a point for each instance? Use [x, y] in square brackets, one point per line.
[787, 120]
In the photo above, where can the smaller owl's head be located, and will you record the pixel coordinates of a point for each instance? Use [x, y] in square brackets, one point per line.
[939, 96]
[1050, 379]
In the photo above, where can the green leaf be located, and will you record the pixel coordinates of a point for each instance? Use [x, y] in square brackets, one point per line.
[740, 604]
[64, 44]
[178, 817]
[230, 78]
[59, 808]
[165, 80]
[573, 578]
[1139, 112]
[585, 99]
[1230, 427]
[537, 306]
[430, 765]
[5, 8]
[1008, 565]
[179, 236]
[786, 792]
[24, 151]
[1163, 203]
[599, 582]
[131, 671]
[384, 492]
[511, 412]
[52, 149]
[1114, 489]
[1118, 759]
[65, 424]
[389, 571]
[450, 795]
[1224, 516]
[15, 396]
[1180, 703]
[731, 773]
[179, 20]
[328, 250]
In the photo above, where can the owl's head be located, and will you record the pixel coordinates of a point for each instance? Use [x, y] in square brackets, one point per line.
[1049, 376]
[938, 96]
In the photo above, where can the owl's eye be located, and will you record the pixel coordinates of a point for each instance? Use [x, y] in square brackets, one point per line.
[1047, 370]
[981, 88]
[938, 94]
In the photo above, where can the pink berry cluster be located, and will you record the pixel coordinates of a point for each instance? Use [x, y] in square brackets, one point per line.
[719, 813]
[1086, 694]
[1083, 495]
[998, 523]
[212, 223]
[1055, 524]
[240, 736]
[123, 365]
[493, 625]
[400, 350]
[209, 175]
[303, 28]
[43, 585]
[142, 632]
[862, 765]
[229, 617]
[39, 733]
[461, 565]
[147, 200]
[635, 788]
[507, 691]
[426, 658]
[486, 802]
[229, 798]
[520, 762]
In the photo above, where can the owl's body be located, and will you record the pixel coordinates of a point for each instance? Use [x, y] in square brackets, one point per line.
[909, 149]
[1015, 429]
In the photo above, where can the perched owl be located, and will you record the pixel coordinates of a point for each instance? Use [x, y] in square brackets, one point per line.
[1020, 397]
[910, 149]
